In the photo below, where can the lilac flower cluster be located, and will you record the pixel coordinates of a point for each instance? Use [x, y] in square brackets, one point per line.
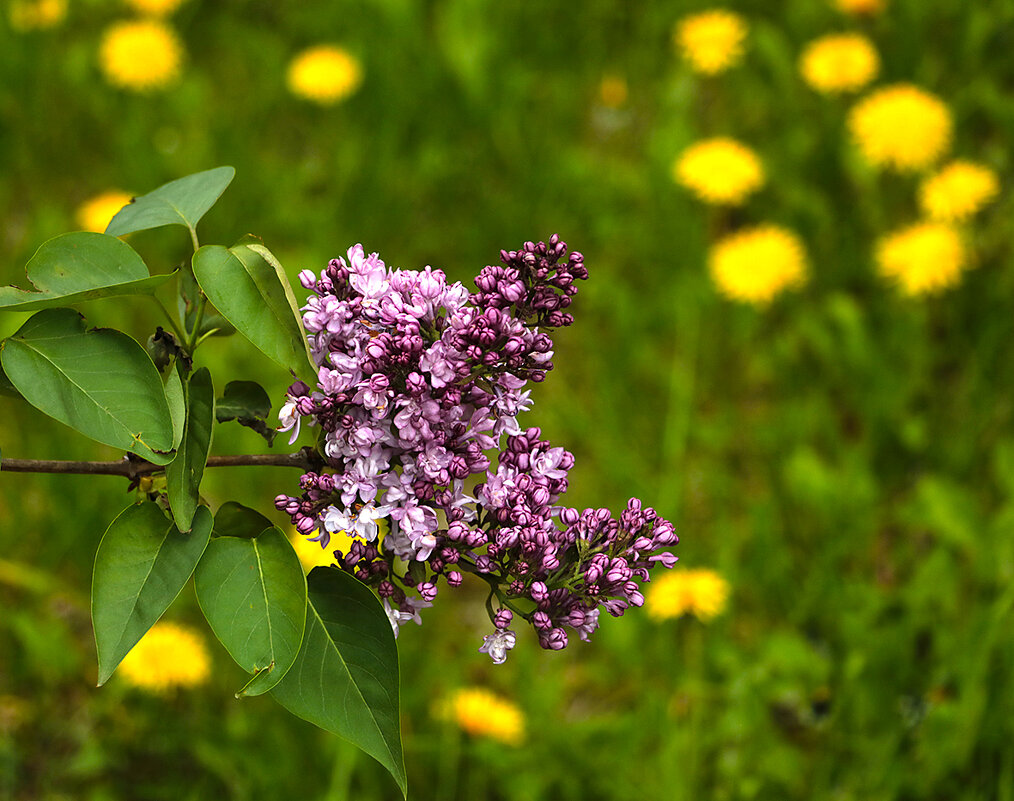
[420, 382]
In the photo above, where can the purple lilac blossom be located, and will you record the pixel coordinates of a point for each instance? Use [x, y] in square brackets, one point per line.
[419, 382]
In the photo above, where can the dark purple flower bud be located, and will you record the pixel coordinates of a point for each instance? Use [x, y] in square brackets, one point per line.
[454, 578]
[502, 619]
[305, 525]
[538, 591]
[541, 621]
[428, 590]
[569, 516]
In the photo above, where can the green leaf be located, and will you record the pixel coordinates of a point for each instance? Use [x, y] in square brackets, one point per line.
[248, 403]
[187, 303]
[253, 593]
[100, 382]
[142, 563]
[290, 296]
[177, 403]
[246, 291]
[180, 202]
[345, 679]
[184, 473]
[236, 520]
[81, 266]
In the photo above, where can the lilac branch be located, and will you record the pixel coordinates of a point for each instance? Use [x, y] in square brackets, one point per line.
[130, 467]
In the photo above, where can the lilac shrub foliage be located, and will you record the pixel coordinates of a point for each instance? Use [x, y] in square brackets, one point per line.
[420, 383]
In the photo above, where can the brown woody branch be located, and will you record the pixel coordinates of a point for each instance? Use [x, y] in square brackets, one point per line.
[133, 467]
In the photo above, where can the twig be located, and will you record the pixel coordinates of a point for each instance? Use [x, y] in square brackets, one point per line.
[132, 467]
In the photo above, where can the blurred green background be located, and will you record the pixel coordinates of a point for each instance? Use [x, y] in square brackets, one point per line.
[844, 458]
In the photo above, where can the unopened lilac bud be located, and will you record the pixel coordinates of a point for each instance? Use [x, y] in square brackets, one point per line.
[307, 279]
[428, 590]
[538, 591]
[541, 621]
[305, 525]
[569, 516]
[502, 619]
[454, 578]
[667, 558]
[282, 502]
[553, 640]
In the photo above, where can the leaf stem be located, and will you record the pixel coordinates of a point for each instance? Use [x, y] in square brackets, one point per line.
[193, 238]
[194, 337]
[172, 321]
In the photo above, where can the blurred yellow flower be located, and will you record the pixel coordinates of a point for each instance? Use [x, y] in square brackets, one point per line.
[168, 656]
[860, 6]
[712, 41]
[140, 55]
[311, 555]
[95, 214]
[719, 171]
[924, 258]
[613, 91]
[484, 714]
[958, 191]
[28, 15]
[158, 8]
[324, 74]
[755, 264]
[901, 126]
[839, 63]
[700, 592]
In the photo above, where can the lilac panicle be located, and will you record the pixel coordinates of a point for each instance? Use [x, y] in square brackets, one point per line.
[419, 387]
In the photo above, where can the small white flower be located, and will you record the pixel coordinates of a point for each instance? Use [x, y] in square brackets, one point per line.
[497, 645]
[289, 418]
[336, 520]
[366, 524]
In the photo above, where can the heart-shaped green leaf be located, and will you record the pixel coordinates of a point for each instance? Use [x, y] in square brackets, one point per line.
[72, 268]
[246, 291]
[180, 202]
[345, 679]
[142, 563]
[253, 593]
[236, 520]
[99, 382]
[183, 475]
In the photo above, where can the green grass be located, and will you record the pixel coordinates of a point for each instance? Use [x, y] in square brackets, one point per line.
[845, 457]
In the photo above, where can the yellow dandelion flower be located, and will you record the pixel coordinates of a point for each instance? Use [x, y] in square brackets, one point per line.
[156, 8]
[484, 714]
[924, 258]
[140, 55]
[958, 191]
[311, 555]
[712, 41]
[902, 127]
[720, 171]
[839, 63]
[755, 264]
[613, 91]
[324, 74]
[702, 593]
[30, 15]
[95, 214]
[168, 656]
[860, 6]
